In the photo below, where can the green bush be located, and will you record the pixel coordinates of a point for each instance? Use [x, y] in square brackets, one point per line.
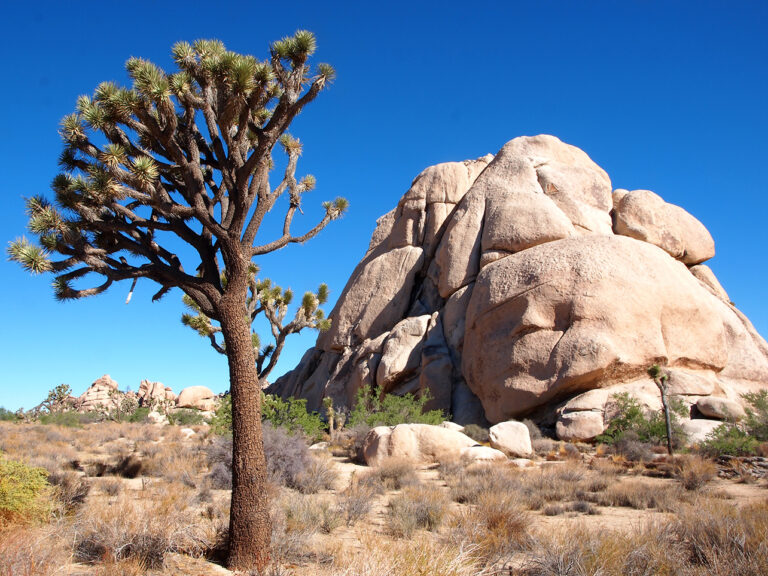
[290, 414]
[728, 439]
[756, 422]
[185, 417]
[373, 410]
[24, 491]
[139, 415]
[633, 423]
[221, 422]
[7, 415]
[69, 418]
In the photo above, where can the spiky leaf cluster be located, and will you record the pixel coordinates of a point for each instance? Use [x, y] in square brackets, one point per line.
[186, 154]
[272, 301]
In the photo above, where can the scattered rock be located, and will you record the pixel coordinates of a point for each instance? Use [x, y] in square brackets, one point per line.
[579, 426]
[721, 409]
[511, 438]
[197, 397]
[320, 446]
[481, 454]
[697, 430]
[452, 426]
[417, 442]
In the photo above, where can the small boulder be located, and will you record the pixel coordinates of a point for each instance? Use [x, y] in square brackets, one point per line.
[416, 442]
[720, 408]
[522, 463]
[579, 426]
[512, 438]
[197, 397]
[478, 453]
[157, 418]
[320, 446]
[697, 430]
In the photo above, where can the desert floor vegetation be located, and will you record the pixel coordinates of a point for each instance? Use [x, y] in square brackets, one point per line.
[135, 498]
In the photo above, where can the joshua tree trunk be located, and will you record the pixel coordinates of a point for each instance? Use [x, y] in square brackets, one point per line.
[662, 385]
[250, 529]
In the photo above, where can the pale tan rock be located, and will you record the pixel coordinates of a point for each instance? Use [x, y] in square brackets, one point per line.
[157, 418]
[705, 275]
[579, 314]
[511, 438]
[697, 431]
[643, 215]
[567, 175]
[375, 299]
[579, 426]
[478, 454]
[686, 382]
[103, 394]
[152, 392]
[402, 351]
[522, 463]
[720, 408]
[417, 442]
[197, 397]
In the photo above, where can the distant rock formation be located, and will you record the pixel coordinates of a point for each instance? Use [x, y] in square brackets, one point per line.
[103, 394]
[521, 284]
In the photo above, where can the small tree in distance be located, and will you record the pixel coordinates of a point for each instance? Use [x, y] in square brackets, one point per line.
[185, 158]
[661, 379]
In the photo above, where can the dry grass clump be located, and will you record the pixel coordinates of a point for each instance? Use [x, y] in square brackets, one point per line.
[466, 484]
[29, 551]
[355, 502]
[174, 460]
[141, 530]
[694, 472]
[497, 526]
[421, 556]
[416, 507]
[70, 490]
[320, 474]
[390, 474]
[641, 496]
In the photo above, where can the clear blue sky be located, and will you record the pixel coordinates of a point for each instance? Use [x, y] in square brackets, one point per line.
[665, 95]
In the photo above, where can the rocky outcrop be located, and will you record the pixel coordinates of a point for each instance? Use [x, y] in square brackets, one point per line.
[511, 438]
[521, 284]
[152, 393]
[103, 394]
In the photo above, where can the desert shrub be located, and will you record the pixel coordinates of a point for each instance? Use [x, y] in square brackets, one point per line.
[416, 507]
[373, 410]
[694, 472]
[390, 474]
[533, 430]
[111, 486]
[355, 502]
[7, 415]
[24, 492]
[287, 455]
[27, 551]
[632, 422]
[467, 484]
[220, 476]
[350, 441]
[640, 496]
[292, 415]
[728, 439]
[185, 417]
[422, 556]
[756, 421]
[497, 526]
[633, 450]
[144, 531]
[69, 489]
[69, 418]
[128, 466]
[139, 415]
[319, 474]
[477, 433]
[221, 421]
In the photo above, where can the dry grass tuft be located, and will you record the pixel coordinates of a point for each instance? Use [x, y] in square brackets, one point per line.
[694, 472]
[391, 474]
[27, 551]
[416, 507]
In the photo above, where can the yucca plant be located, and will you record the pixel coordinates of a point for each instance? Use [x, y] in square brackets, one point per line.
[185, 157]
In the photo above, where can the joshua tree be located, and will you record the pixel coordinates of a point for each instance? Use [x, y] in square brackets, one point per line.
[660, 378]
[186, 157]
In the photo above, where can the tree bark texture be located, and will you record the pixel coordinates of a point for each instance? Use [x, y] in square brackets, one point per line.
[250, 526]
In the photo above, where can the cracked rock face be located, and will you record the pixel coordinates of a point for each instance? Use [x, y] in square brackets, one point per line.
[518, 283]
